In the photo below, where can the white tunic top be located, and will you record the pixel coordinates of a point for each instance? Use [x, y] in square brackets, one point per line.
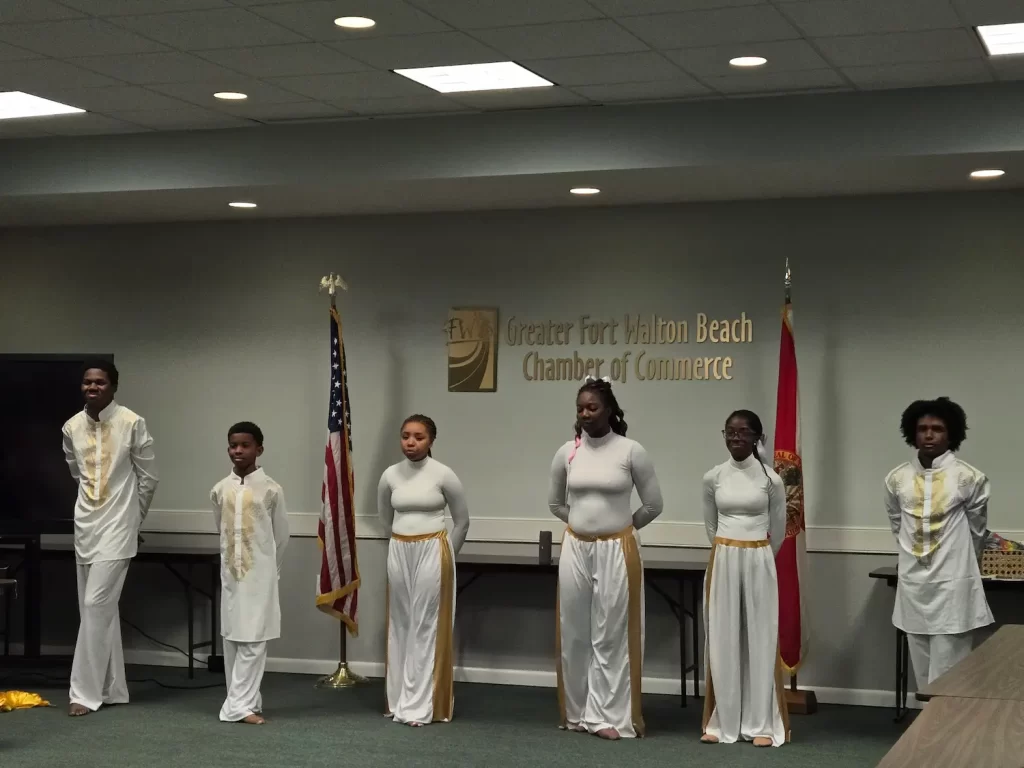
[939, 517]
[252, 519]
[745, 500]
[412, 495]
[593, 492]
[112, 460]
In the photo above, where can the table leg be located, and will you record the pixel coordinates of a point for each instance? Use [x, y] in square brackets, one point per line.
[191, 625]
[697, 616]
[682, 644]
[7, 621]
[214, 595]
[902, 674]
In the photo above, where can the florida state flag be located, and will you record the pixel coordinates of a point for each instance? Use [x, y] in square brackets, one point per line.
[792, 558]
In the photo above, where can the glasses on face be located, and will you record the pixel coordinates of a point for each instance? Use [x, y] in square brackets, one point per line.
[730, 434]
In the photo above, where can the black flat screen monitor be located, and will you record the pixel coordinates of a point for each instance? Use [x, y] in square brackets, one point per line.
[43, 392]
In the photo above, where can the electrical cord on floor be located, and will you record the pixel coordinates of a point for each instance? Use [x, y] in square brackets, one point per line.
[160, 642]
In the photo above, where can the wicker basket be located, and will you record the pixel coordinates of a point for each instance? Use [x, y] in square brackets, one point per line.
[1002, 565]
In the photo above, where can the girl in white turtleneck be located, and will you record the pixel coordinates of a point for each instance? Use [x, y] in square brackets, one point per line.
[745, 515]
[600, 574]
[411, 498]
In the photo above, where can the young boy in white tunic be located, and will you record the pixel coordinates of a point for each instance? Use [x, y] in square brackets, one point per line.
[411, 499]
[938, 509]
[745, 516]
[110, 454]
[600, 609]
[252, 519]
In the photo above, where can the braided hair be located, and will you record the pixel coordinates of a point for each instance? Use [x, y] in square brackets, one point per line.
[426, 421]
[616, 421]
[754, 422]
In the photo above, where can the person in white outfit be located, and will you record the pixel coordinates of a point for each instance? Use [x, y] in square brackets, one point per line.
[411, 499]
[252, 519]
[600, 604]
[745, 514]
[110, 454]
[937, 506]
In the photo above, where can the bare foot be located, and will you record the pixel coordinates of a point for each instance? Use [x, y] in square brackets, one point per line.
[416, 725]
[254, 719]
[707, 738]
[77, 710]
[609, 733]
[762, 741]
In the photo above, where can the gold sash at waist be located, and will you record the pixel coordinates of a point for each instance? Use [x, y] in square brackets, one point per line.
[723, 542]
[628, 531]
[420, 536]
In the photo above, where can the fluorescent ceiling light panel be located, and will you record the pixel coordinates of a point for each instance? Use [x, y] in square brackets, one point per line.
[15, 104]
[495, 76]
[1002, 39]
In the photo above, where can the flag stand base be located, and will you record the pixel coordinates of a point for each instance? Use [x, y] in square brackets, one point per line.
[343, 677]
[800, 702]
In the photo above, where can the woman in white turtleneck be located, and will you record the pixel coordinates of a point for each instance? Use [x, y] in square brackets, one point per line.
[745, 515]
[600, 640]
[411, 498]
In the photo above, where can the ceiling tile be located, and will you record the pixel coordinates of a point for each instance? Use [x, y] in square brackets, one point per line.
[615, 68]
[315, 19]
[864, 50]
[13, 53]
[682, 88]
[183, 119]
[783, 82]
[306, 110]
[199, 30]
[551, 41]
[782, 55]
[825, 18]
[523, 98]
[975, 12]
[919, 74]
[91, 125]
[285, 60]
[139, 7]
[21, 129]
[115, 98]
[201, 94]
[78, 37]
[1008, 67]
[357, 85]
[480, 14]
[48, 73]
[669, 31]
[15, 11]
[643, 7]
[403, 105]
[430, 50]
[149, 68]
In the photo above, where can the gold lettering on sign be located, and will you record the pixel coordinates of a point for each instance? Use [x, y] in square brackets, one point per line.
[724, 331]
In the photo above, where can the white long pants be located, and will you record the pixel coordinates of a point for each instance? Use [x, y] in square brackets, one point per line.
[421, 617]
[744, 698]
[97, 672]
[244, 664]
[600, 636]
[934, 655]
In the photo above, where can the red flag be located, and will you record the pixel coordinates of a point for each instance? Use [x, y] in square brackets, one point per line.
[337, 589]
[791, 562]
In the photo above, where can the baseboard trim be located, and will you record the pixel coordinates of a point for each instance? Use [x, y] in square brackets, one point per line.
[856, 697]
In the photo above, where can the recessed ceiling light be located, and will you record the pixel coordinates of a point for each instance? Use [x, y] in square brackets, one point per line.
[17, 104]
[242, 205]
[1002, 39]
[585, 190]
[748, 61]
[355, 22]
[230, 96]
[987, 173]
[495, 76]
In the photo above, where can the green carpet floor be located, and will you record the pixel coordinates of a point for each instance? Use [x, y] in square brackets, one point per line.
[494, 727]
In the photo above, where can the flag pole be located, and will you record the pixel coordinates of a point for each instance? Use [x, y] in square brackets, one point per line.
[342, 677]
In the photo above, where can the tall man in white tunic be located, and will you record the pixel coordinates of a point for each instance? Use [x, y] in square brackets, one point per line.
[110, 454]
[252, 518]
[938, 510]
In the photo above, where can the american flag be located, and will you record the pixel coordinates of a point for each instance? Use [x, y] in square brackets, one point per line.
[337, 590]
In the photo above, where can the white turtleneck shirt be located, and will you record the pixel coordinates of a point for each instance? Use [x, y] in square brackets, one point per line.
[412, 496]
[592, 493]
[745, 500]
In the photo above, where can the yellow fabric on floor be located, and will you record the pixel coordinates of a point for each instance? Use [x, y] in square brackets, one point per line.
[11, 700]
